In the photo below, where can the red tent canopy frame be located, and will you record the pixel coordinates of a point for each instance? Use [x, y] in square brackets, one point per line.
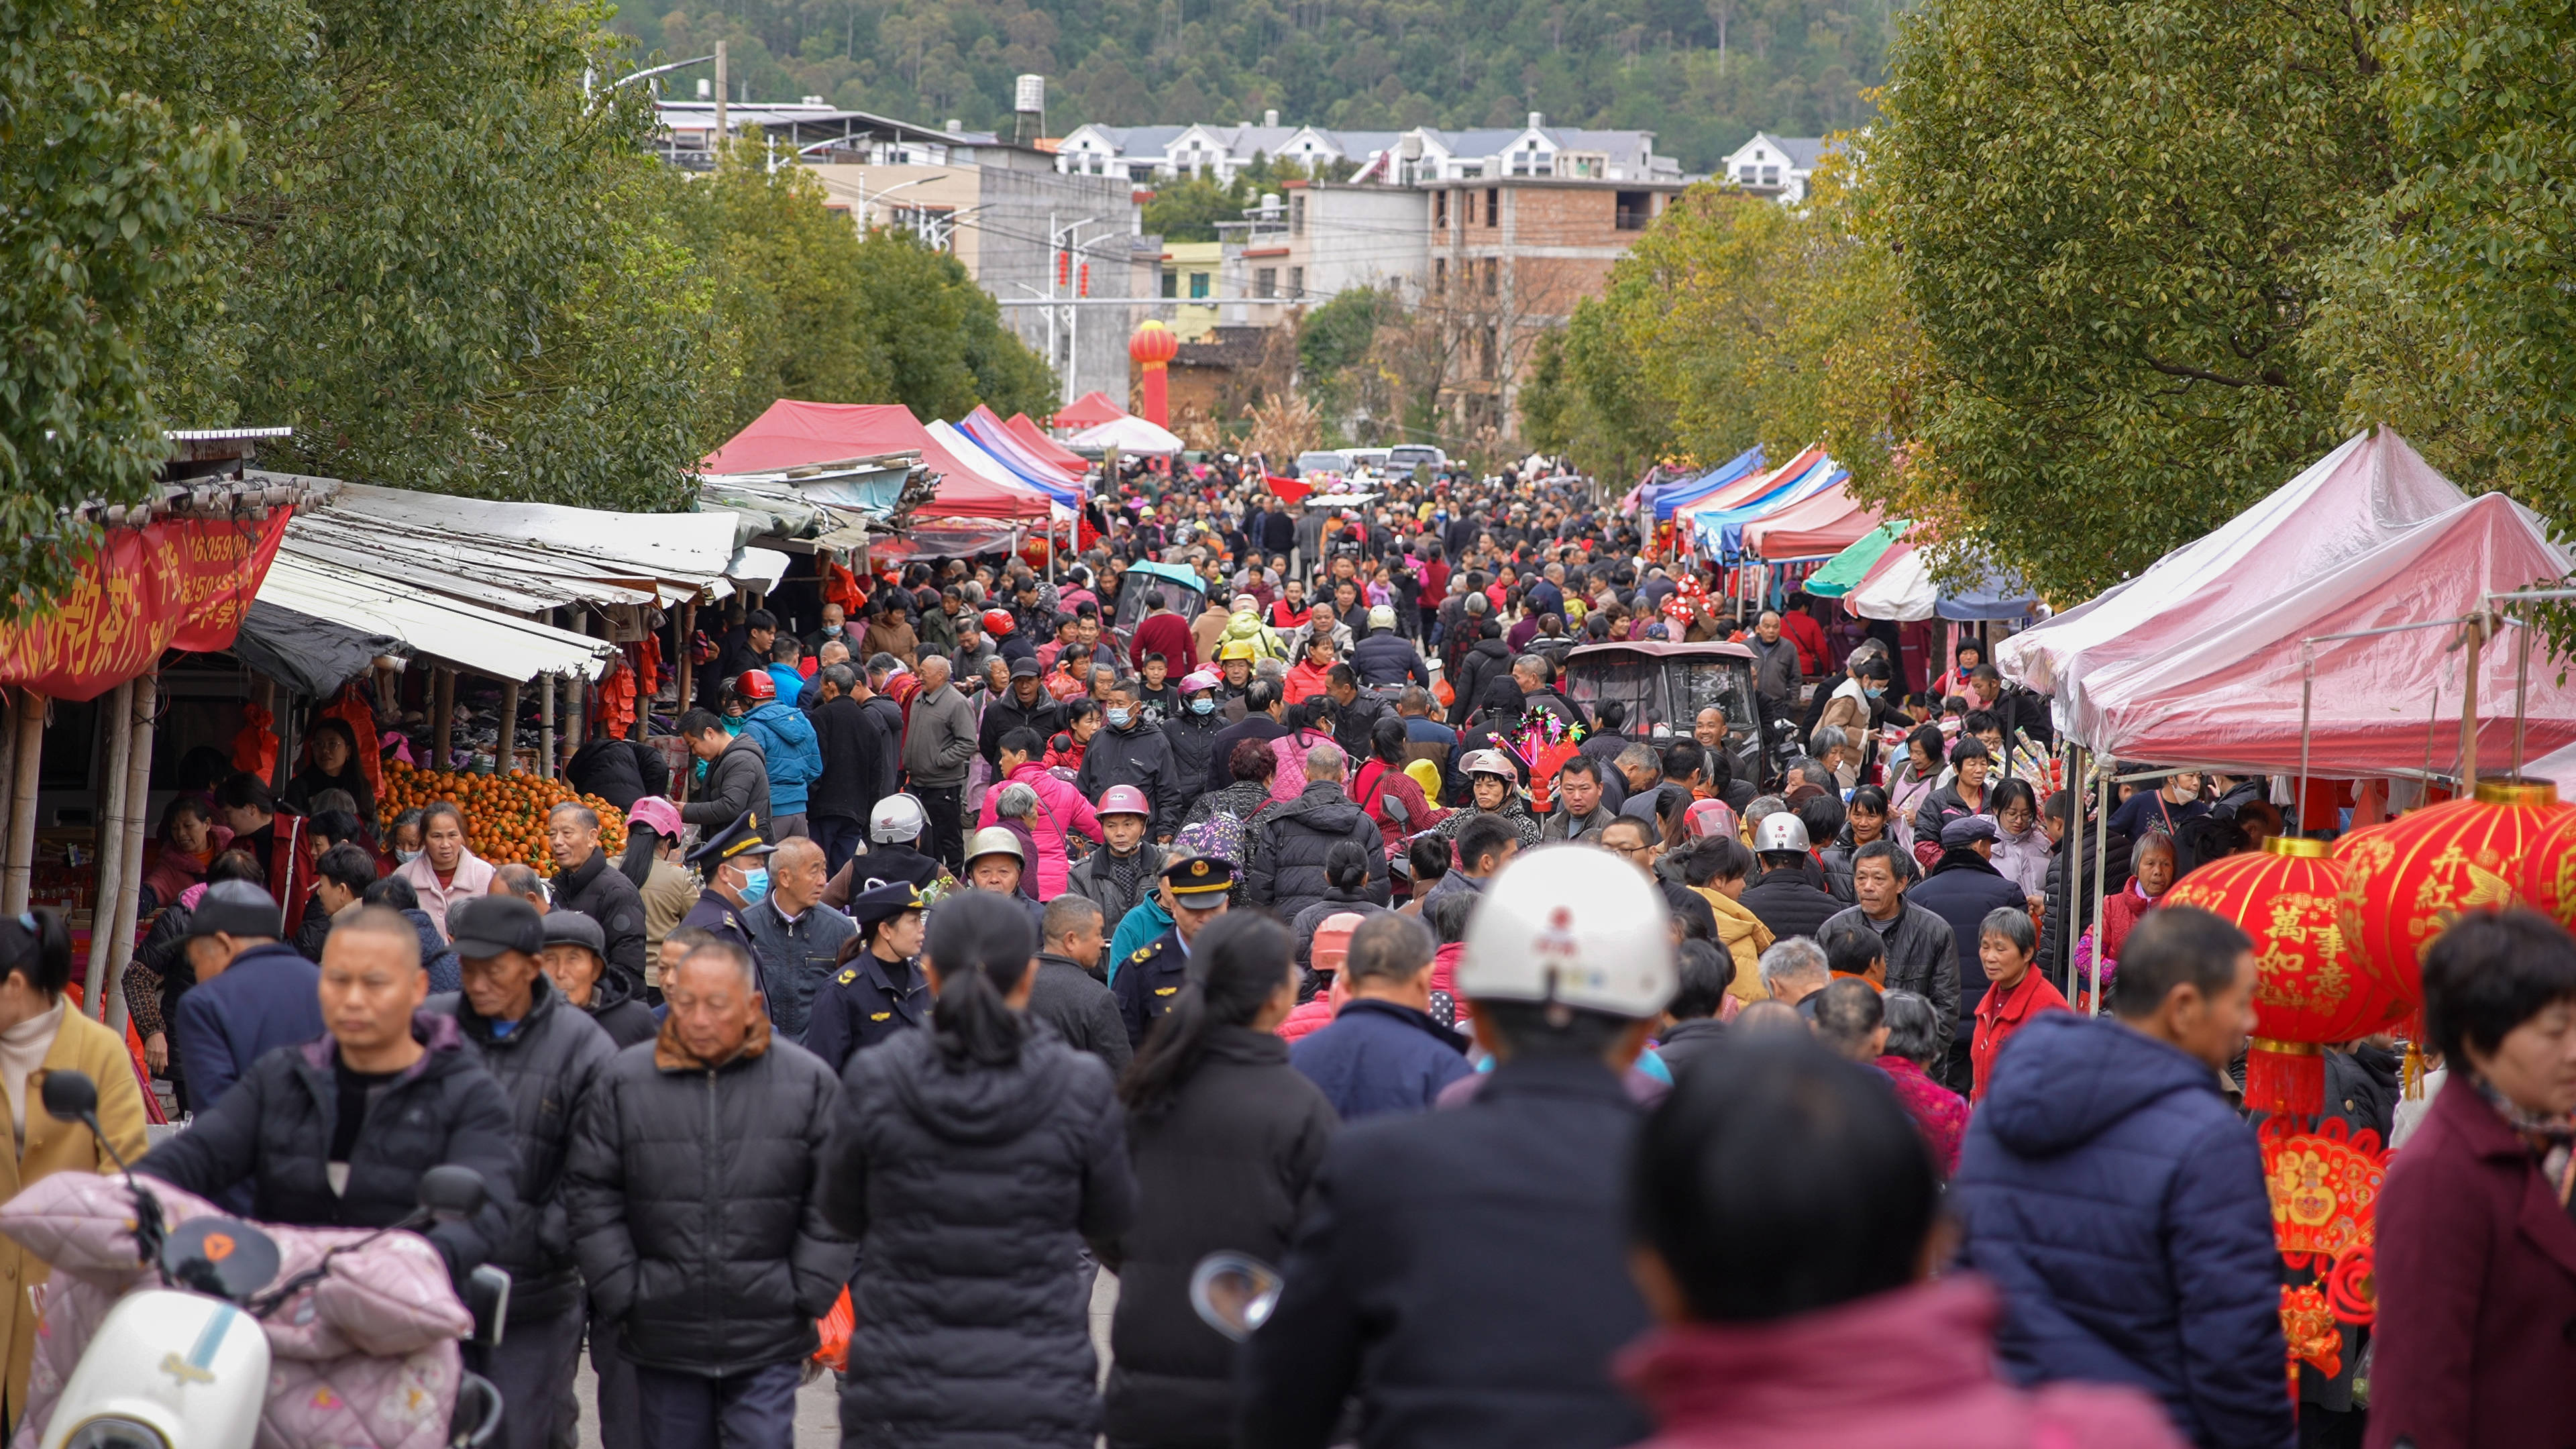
[794, 434]
[1089, 410]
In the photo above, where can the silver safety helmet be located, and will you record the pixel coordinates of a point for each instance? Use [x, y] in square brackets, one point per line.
[897, 818]
[1780, 831]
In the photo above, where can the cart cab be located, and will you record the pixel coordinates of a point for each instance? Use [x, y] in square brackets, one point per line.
[1663, 687]
[1182, 588]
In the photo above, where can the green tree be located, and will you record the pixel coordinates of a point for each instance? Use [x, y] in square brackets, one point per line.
[2455, 312]
[815, 311]
[100, 189]
[1188, 210]
[2113, 219]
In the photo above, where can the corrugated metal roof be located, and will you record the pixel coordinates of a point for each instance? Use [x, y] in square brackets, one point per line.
[467, 635]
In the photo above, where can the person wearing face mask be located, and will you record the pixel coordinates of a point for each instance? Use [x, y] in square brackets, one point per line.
[2168, 807]
[1191, 732]
[734, 863]
[1130, 751]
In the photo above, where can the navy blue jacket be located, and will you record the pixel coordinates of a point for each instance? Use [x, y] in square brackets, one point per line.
[1464, 1272]
[269, 997]
[1961, 890]
[1378, 1056]
[2114, 1195]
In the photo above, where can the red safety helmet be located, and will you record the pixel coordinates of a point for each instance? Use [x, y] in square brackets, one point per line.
[756, 684]
[1124, 800]
[997, 622]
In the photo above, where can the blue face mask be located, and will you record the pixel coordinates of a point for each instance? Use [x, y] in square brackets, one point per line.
[1202, 705]
[755, 885]
[1117, 719]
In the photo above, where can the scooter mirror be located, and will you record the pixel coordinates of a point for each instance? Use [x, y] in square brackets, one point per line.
[1234, 1293]
[69, 1096]
[1398, 811]
[450, 1192]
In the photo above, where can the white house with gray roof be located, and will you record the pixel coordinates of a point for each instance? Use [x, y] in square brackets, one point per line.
[1776, 165]
[1406, 158]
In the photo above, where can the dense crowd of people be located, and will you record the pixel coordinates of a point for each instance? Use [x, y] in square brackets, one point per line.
[1715, 1083]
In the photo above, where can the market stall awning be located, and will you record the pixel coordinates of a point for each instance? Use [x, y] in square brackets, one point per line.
[1841, 573]
[2371, 489]
[1670, 497]
[1900, 586]
[1825, 524]
[1720, 531]
[522, 557]
[2229, 695]
[1089, 410]
[469, 636]
[991, 469]
[1127, 435]
[1044, 448]
[794, 434]
[995, 437]
[1750, 487]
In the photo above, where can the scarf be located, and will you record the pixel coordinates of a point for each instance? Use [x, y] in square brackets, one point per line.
[2552, 1139]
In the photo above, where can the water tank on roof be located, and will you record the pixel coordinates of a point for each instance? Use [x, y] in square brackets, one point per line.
[1270, 118]
[1028, 94]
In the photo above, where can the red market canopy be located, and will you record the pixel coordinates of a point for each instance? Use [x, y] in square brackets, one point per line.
[1089, 411]
[2228, 694]
[1825, 524]
[1044, 448]
[794, 434]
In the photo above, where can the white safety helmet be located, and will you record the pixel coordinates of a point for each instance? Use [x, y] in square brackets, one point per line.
[897, 818]
[1575, 927]
[1489, 762]
[1780, 832]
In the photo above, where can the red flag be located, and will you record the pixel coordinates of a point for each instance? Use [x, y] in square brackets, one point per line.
[1288, 489]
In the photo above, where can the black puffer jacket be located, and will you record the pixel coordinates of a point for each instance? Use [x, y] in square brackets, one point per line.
[1225, 1166]
[1789, 903]
[620, 1013]
[598, 889]
[736, 782]
[1096, 878]
[1138, 756]
[1287, 873]
[619, 771]
[693, 1199]
[1193, 741]
[1003, 715]
[1489, 660]
[1385, 657]
[272, 1129]
[2058, 941]
[974, 1325]
[546, 1064]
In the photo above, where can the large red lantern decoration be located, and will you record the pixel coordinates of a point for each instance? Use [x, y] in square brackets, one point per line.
[2309, 990]
[2407, 879]
[1152, 347]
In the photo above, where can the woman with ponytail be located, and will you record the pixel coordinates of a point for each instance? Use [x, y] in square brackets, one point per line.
[1226, 1137]
[971, 1162]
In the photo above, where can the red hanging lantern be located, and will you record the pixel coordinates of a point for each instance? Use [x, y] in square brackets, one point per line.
[2407, 879]
[2547, 879]
[2309, 989]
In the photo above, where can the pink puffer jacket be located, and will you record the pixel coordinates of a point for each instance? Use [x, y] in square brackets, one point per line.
[367, 1358]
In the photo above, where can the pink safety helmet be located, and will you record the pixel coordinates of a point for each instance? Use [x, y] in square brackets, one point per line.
[659, 814]
[1709, 817]
[1124, 800]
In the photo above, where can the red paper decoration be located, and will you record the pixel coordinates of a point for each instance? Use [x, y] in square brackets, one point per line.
[2407, 879]
[2309, 990]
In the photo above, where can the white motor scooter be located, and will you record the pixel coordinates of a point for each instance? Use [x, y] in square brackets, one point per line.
[186, 1365]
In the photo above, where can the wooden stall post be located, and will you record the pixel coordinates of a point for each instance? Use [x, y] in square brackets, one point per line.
[577, 729]
[505, 758]
[115, 723]
[129, 889]
[28, 751]
[545, 726]
[688, 666]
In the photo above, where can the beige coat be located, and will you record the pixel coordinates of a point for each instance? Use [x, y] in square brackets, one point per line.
[85, 1046]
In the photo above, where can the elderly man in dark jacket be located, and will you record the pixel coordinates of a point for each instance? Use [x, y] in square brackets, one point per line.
[858, 768]
[1068, 994]
[1784, 897]
[1963, 889]
[255, 993]
[1287, 873]
[1025, 705]
[544, 1053]
[1384, 1052]
[796, 939]
[1384, 657]
[737, 775]
[1485, 661]
[586, 880]
[337, 1132]
[2110, 1190]
[1922, 954]
[694, 1197]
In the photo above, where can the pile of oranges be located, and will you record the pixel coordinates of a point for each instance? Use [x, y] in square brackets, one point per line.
[505, 815]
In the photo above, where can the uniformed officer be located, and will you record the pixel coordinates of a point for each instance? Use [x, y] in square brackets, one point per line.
[1194, 891]
[879, 989]
[734, 863]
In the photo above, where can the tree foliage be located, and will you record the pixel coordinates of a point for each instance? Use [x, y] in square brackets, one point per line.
[818, 312]
[100, 188]
[1735, 321]
[1704, 74]
[2115, 220]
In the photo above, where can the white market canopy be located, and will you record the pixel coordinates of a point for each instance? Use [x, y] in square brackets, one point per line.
[1127, 435]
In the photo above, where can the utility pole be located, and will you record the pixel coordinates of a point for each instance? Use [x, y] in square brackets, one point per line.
[722, 135]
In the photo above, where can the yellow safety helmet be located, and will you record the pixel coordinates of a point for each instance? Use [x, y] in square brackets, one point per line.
[1236, 649]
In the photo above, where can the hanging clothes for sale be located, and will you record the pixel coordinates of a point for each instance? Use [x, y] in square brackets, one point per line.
[255, 746]
[612, 707]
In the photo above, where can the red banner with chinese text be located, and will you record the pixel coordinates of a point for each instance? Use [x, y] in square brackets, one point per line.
[176, 584]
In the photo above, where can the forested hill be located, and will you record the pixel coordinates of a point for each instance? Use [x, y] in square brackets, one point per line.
[1702, 74]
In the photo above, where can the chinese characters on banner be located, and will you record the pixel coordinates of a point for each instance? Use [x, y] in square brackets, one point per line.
[176, 584]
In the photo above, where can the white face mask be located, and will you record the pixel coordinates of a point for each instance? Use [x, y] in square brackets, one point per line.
[406, 857]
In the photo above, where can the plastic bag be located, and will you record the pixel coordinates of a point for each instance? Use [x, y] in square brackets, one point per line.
[834, 1329]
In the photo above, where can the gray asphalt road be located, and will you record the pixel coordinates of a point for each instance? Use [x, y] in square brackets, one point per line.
[818, 1417]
